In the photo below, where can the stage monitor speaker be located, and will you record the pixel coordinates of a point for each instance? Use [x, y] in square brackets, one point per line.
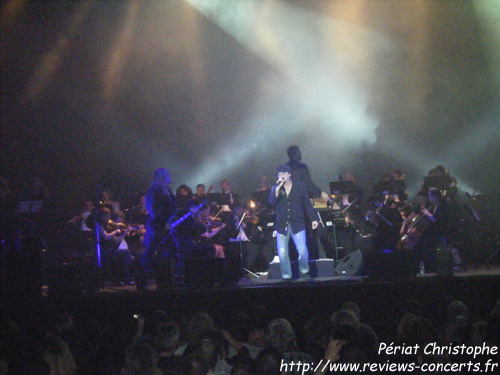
[350, 265]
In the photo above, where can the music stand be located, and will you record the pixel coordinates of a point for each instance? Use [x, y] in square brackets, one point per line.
[341, 187]
[29, 207]
[240, 238]
[385, 187]
[261, 197]
[438, 182]
[267, 223]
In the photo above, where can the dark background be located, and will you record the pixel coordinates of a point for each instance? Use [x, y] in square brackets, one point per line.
[103, 92]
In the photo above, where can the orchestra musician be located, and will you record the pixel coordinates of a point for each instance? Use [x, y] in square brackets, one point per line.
[399, 192]
[439, 178]
[110, 237]
[300, 172]
[423, 202]
[80, 220]
[193, 232]
[264, 184]
[355, 194]
[182, 195]
[107, 200]
[138, 214]
[387, 222]
[160, 246]
[260, 196]
[200, 193]
[353, 201]
[225, 188]
[292, 205]
[427, 228]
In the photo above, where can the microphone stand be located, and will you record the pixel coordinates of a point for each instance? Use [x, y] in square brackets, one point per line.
[98, 242]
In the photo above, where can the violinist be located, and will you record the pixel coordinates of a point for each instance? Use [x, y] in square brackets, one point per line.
[138, 213]
[212, 225]
[109, 236]
[194, 234]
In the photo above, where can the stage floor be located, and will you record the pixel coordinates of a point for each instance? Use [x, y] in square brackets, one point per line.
[380, 300]
[261, 280]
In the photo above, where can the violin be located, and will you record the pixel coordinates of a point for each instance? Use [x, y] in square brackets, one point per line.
[216, 223]
[112, 225]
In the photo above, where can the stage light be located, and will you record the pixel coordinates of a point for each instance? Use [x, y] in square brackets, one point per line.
[53, 59]
[120, 52]
[10, 12]
[316, 86]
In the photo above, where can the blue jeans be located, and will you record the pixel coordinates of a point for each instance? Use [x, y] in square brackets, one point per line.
[300, 243]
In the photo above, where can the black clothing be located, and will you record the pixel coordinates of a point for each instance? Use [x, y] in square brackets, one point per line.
[174, 364]
[433, 235]
[386, 235]
[291, 209]
[159, 246]
[300, 173]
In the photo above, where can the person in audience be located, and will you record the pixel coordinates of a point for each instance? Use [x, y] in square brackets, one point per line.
[199, 323]
[316, 336]
[367, 337]
[166, 340]
[268, 362]
[281, 337]
[238, 334]
[59, 358]
[209, 353]
[140, 358]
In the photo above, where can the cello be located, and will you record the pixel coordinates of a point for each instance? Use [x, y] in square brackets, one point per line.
[416, 230]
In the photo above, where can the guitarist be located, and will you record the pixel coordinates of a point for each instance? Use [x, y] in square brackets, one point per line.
[160, 246]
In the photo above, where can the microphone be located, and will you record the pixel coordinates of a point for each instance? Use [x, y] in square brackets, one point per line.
[279, 181]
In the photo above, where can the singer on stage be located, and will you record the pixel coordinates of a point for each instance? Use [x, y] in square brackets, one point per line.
[292, 204]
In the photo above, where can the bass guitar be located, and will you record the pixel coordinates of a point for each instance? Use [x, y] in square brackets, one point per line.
[170, 228]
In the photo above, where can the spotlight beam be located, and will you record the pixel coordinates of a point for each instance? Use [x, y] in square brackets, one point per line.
[313, 85]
